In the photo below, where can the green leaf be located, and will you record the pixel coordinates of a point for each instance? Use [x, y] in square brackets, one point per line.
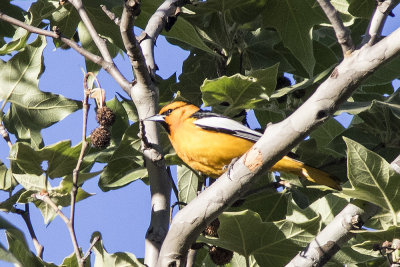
[8, 204]
[271, 243]
[18, 252]
[197, 67]
[326, 132]
[259, 52]
[268, 213]
[367, 239]
[6, 29]
[7, 182]
[294, 20]
[119, 259]
[326, 208]
[372, 178]
[121, 120]
[31, 181]
[385, 73]
[241, 92]
[187, 183]
[130, 108]
[31, 110]
[362, 8]
[125, 164]
[71, 261]
[61, 159]
[19, 38]
[182, 30]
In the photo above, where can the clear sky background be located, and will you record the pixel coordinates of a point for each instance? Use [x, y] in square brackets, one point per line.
[123, 215]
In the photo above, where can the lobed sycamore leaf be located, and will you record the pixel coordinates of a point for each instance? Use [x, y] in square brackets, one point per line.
[372, 178]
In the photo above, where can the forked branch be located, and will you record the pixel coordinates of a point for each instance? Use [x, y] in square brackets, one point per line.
[342, 33]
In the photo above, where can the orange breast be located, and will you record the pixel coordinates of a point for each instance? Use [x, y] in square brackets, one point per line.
[206, 151]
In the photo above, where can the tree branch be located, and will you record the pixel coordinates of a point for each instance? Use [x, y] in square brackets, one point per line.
[133, 49]
[342, 33]
[276, 142]
[25, 214]
[107, 66]
[46, 199]
[377, 21]
[335, 235]
[154, 27]
[338, 232]
[100, 43]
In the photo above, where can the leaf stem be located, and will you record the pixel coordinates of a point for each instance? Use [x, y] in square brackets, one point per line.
[25, 214]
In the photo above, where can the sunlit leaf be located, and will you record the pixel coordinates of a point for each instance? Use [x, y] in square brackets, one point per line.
[372, 178]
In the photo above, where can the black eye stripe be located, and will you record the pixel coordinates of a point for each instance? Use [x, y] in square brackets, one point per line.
[167, 112]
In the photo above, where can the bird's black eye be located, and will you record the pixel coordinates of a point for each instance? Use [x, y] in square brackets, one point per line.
[167, 112]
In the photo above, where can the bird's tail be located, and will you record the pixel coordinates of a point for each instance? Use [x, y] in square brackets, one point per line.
[287, 164]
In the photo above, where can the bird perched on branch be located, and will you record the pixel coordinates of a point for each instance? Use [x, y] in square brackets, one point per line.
[208, 142]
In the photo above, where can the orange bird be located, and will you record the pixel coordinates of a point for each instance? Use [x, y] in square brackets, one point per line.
[208, 142]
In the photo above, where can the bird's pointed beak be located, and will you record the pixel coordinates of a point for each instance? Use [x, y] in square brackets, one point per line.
[158, 118]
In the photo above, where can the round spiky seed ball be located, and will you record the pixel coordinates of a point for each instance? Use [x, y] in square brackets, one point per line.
[220, 256]
[100, 137]
[105, 116]
[212, 228]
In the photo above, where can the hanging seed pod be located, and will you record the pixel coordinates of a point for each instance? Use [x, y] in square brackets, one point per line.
[220, 256]
[100, 137]
[212, 228]
[105, 116]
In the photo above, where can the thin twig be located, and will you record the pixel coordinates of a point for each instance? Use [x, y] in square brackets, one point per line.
[89, 251]
[107, 66]
[111, 15]
[46, 199]
[342, 33]
[174, 187]
[100, 43]
[26, 216]
[374, 30]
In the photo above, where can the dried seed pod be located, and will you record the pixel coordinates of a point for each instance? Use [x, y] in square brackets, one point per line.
[212, 228]
[105, 116]
[100, 137]
[220, 256]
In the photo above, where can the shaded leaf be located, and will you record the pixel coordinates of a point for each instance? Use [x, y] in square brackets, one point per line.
[125, 164]
[294, 20]
[187, 183]
[271, 243]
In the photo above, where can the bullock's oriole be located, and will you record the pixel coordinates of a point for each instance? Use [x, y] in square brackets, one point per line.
[208, 142]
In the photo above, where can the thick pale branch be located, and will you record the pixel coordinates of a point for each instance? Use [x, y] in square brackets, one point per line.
[154, 27]
[342, 33]
[107, 66]
[276, 142]
[378, 20]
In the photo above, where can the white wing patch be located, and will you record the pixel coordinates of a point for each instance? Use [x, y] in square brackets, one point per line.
[226, 125]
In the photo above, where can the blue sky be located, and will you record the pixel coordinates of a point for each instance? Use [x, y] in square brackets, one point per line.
[122, 216]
